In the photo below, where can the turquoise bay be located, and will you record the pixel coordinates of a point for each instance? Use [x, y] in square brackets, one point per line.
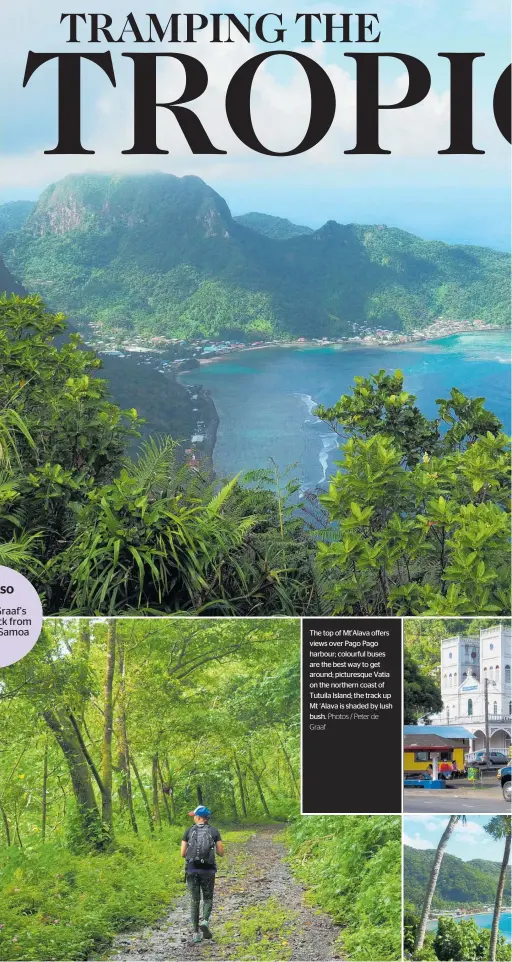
[484, 921]
[265, 398]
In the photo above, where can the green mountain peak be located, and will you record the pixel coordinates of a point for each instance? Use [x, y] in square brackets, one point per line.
[161, 255]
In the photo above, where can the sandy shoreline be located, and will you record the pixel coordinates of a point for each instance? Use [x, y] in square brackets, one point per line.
[427, 343]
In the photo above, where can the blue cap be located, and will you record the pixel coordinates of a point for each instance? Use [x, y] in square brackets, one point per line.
[202, 811]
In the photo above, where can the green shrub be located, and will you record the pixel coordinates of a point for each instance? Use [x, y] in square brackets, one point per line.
[56, 905]
[353, 867]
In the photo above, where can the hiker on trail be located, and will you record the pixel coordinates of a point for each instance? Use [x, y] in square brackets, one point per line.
[201, 842]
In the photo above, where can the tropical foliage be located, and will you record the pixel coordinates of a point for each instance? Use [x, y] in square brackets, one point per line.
[353, 865]
[415, 521]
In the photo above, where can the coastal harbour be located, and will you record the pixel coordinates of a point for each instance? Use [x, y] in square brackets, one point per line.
[237, 411]
[483, 920]
[265, 399]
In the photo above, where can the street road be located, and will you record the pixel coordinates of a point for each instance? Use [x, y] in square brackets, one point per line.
[448, 801]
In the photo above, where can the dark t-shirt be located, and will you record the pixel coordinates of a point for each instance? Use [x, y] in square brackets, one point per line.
[214, 832]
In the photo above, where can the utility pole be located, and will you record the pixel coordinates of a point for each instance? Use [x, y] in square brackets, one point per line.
[486, 714]
[486, 720]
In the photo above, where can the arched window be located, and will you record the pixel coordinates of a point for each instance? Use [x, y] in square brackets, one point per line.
[507, 674]
[495, 708]
[470, 706]
[455, 678]
[445, 677]
[491, 673]
[497, 675]
[450, 680]
[447, 714]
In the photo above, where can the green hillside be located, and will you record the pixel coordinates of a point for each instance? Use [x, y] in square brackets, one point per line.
[8, 284]
[280, 228]
[159, 254]
[14, 214]
[460, 883]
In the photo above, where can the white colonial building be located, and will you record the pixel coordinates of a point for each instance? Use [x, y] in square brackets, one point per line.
[466, 663]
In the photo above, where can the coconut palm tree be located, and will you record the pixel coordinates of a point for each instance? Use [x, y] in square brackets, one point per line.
[432, 882]
[499, 827]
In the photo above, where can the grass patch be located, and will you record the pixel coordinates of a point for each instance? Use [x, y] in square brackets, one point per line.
[261, 932]
[55, 905]
[352, 868]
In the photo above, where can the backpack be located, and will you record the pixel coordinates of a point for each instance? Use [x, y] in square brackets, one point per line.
[201, 847]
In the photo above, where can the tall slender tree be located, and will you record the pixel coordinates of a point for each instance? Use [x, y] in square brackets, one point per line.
[432, 882]
[108, 724]
[499, 827]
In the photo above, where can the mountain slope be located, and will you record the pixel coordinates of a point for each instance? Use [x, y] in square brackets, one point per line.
[279, 228]
[14, 214]
[459, 882]
[8, 285]
[162, 255]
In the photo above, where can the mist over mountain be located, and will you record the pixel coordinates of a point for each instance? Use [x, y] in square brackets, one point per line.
[158, 254]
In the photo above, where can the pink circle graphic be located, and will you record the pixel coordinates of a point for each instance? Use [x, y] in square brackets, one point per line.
[21, 616]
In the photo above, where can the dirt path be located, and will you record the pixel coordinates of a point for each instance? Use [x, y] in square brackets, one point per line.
[259, 913]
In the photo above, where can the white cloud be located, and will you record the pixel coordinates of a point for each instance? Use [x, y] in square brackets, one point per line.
[470, 833]
[416, 841]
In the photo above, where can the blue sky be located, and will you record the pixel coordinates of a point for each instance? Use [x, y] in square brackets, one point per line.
[468, 841]
[458, 199]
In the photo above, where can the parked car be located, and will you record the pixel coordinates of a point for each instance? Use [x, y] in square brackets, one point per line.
[504, 776]
[479, 759]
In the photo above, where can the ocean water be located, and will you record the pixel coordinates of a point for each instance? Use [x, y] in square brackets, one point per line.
[484, 921]
[265, 398]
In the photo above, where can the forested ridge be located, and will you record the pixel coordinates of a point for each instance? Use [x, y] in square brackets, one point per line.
[111, 731]
[415, 520]
[162, 255]
[469, 884]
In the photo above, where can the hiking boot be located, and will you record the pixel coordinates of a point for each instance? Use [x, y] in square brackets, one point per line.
[196, 936]
[206, 930]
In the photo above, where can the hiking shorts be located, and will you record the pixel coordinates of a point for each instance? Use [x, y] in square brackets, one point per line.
[197, 885]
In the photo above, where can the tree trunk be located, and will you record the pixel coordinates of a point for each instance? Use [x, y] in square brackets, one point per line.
[16, 824]
[432, 882]
[499, 899]
[241, 790]
[143, 793]
[233, 797]
[81, 651]
[169, 778]
[164, 794]
[44, 794]
[106, 748]
[260, 790]
[60, 724]
[290, 766]
[123, 757]
[199, 791]
[5, 821]
[154, 782]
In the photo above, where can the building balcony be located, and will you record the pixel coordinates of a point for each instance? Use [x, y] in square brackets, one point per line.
[472, 719]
